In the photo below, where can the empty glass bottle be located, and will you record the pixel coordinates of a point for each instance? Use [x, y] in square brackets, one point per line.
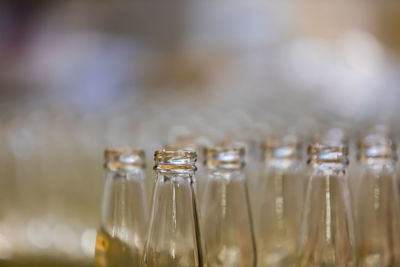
[226, 218]
[327, 234]
[377, 204]
[173, 238]
[280, 200]
[120, 239]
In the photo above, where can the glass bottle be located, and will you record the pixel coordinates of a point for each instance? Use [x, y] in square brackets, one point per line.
[327, 233]
[377, 204]
[173, 238]
[226, 218]
[120, 239]
[280, 200]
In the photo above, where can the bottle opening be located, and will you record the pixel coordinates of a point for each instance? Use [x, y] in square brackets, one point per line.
[175, 160]
[123, 158]
[321, 153]
[226, 157]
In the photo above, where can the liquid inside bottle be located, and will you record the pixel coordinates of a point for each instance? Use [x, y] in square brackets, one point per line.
[226, 218]
[280, 201]
[377, 204]
[120, 239]
[327, 233]
[173, 238]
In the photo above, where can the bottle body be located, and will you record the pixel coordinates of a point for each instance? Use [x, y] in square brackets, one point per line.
[226, 218]
[327, 231]
[121, 236]
[173, 236]
[281, 201]
[377, 204]
[378, 217]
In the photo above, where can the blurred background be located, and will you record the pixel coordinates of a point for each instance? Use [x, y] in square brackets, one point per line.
[78, 76]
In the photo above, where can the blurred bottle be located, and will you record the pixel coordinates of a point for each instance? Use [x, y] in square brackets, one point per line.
[377, 204]
[327, 234]
[226, 218]
[120, 239]
[173, 238]
[250, 140]
[280, 199]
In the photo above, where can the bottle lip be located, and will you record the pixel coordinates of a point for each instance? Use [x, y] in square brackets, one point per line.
[124, 157]
[225, 156]
[323, 153]
[175, 159]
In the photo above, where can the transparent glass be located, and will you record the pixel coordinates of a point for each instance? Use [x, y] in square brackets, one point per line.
[226, 218]
[120, 239]
[327, 233]
[377, 207]
[281, 197]
[173, 238]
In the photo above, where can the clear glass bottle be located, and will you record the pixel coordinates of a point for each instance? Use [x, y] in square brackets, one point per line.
[173, 238]
[226, 218]
[327, 233]
[280, 199]
[377, 204]
[120, 239]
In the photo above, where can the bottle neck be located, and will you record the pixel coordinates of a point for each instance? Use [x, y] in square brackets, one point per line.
[175, 176]
[173, 231]
[124, 205]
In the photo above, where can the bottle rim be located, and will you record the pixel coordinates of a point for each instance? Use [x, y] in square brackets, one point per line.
[225, 156]
[175, 159]
[376, 147]
[322, 153]
[117, 158]
[281, 148]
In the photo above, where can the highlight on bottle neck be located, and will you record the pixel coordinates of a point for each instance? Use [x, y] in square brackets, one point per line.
[287, 147]
[175, 160]
[322, 153]
[227, 157]
[377, 146]
[123, 159]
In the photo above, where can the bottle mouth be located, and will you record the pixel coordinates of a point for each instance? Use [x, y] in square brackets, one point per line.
[281, 148]
[321, 153]
[175, 160]
[225, 157]
[126, 157]
[376, 146]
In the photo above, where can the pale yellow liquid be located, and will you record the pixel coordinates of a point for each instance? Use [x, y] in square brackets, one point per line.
[43, 262]
[112, 252]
